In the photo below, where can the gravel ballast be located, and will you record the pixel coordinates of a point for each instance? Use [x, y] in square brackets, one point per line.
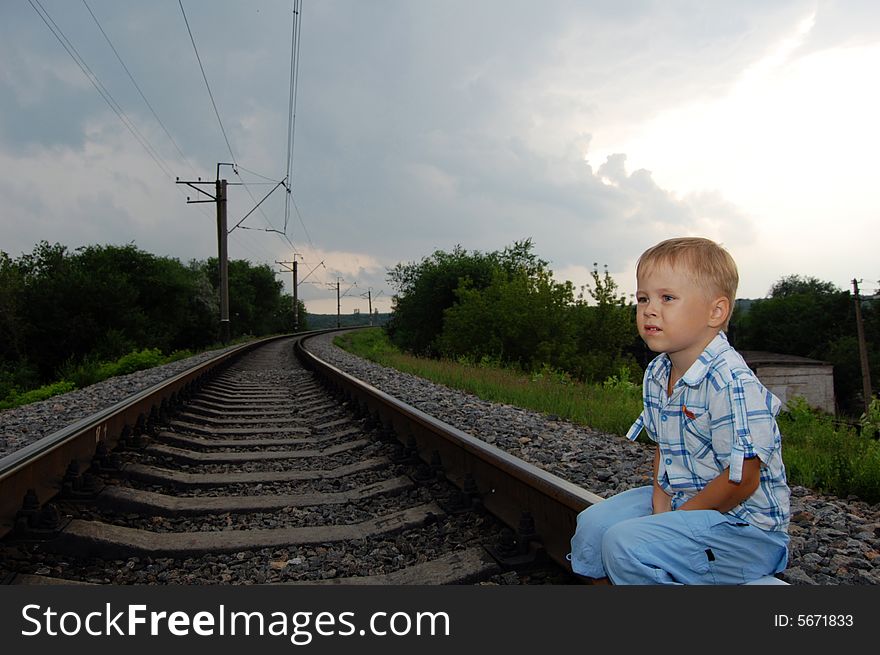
[24, 425]
[833, 540]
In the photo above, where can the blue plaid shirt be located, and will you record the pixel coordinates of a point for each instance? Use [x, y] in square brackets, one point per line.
[718, 415]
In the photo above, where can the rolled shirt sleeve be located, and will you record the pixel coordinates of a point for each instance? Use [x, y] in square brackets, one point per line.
[636, 427]
[749, 423]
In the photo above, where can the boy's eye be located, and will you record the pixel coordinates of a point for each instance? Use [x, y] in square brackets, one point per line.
[667, 297]
[642, 299]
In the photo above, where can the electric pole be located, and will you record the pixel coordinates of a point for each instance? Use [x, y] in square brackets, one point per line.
[369, 296]
[222, 234]
[339, 297]
[863, 348]
[295, 296]
[224, 260]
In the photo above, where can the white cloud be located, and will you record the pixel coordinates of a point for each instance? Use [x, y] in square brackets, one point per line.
[597, 129]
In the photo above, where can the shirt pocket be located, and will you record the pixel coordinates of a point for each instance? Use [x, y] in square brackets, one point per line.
[697, 432]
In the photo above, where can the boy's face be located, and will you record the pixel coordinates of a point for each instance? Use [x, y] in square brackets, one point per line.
[675, 316]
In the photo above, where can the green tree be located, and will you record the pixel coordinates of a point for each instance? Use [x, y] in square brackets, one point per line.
[520, 318]
[808, 317]
[801, 317]
[605, 332]
[60, 308]
[425, 290]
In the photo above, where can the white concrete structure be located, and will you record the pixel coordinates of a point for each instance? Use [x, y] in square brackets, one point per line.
[788, 376]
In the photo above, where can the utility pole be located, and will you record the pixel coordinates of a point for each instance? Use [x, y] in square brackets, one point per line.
[369, 296]
[863, 348]
[222, 238]
[293, 269]
[339, 297]
[223, 253]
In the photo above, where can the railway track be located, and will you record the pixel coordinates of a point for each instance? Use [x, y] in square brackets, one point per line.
[271, 465]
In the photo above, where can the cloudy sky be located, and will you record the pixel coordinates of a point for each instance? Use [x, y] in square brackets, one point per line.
[595, 128]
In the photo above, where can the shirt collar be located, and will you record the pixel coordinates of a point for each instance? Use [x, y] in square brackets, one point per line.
[660, 367]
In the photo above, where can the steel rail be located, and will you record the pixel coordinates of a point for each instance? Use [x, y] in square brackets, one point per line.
[510, 488]
[41, 466]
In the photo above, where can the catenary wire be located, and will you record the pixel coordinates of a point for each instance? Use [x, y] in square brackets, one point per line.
[205, 77]
[58, 33]
[183, 157]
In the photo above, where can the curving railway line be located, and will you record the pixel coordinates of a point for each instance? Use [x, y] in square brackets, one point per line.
[268, 464]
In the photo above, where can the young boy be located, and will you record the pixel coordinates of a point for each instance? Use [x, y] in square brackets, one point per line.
[718, 509]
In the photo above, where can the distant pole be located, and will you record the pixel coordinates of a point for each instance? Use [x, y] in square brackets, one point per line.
[338, 306]
[295, 299]
[863, 348]
[370, 301]
[224, 260]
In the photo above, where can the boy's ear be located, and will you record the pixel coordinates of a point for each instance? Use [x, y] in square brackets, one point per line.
[720, 311]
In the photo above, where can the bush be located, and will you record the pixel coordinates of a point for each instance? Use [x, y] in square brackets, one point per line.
[136, 360]
[15, 398]
[828, 457]
[870, 420]
[82, 373]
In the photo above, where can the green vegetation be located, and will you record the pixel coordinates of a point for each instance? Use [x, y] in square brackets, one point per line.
[64, 315]
[506, 307]
[15, 398]
[810, 318]
[508, 332]
[818, 453]
[82, 374]
[828, 457]
[610, 407]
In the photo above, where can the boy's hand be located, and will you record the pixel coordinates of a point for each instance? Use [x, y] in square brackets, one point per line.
[660, 501]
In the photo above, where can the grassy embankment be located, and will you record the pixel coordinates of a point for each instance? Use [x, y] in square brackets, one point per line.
[818, 454]
[76, 375]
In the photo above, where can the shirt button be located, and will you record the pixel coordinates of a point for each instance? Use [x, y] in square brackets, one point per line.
[664, 418]
[668, 461]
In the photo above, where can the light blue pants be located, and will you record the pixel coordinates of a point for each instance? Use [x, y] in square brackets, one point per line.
[621, 539]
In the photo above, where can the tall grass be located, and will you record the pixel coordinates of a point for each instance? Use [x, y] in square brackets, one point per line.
[818, 453]
[610, 407]
[828, 457]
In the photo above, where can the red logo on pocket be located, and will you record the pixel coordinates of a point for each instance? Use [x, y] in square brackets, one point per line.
[687, 412]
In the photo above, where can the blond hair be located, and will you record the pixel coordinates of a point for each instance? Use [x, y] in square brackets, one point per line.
[705, 262]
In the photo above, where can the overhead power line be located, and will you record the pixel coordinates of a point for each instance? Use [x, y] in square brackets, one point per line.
[296, 28]
[205, 77]
[257, 205]
[137, 86]
[58, 33]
